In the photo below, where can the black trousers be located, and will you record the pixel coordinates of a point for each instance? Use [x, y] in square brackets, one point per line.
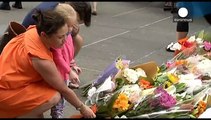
[184, 26]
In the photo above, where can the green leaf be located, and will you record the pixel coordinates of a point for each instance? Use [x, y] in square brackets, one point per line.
[102, 109]
[201, 34]
[180, 87]
[195, 111]
[112, 100]
[120, 83]
[85, 89]
[205, 35]
[162, 68]
[161, 78]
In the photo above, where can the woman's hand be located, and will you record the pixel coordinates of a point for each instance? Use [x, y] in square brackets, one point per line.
[73, 76]
[87, 112]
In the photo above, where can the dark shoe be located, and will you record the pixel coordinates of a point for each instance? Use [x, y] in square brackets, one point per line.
[5, 6]
[17, 5]
[94, 13]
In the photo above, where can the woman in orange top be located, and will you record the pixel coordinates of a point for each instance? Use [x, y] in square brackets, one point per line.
[30, 83]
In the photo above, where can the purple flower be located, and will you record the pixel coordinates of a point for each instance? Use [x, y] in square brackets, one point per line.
[153, 102]
[165, 99]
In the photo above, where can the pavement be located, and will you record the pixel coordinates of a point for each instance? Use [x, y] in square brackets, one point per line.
[139, 30]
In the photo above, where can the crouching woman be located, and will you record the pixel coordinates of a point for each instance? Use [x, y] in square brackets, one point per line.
[30, 83]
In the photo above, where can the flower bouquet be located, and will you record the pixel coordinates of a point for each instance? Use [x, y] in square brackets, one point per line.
[110, 71]
[177, 88]
[200, 41]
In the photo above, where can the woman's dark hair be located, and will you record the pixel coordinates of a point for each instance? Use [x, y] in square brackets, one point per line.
[84, 10]
[48, 21]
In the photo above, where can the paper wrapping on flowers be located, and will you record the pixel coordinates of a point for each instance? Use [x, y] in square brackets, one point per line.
[178, 88]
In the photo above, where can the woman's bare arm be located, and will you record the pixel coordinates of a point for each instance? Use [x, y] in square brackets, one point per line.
[50, 74]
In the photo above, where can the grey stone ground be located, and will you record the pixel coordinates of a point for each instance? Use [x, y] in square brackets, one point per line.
[139, 30]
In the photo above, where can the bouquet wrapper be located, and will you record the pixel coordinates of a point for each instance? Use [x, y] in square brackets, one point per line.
[209, 101]
[150, 68]
[110, 70]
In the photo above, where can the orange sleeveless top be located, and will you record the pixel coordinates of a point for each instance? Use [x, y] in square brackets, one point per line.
[21, 87]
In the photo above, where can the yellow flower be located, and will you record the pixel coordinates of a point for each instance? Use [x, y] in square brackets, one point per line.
[158, 69]
[119, 64]
[173, 78]
[167, 84]
[121, 103]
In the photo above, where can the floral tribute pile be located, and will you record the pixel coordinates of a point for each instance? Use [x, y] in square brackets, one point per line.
[179, 88]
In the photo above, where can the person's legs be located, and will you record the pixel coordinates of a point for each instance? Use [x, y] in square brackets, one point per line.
[17, 5]
[57, 110]
[5, 5]
[94, 8]
[182, 31]
[167, 6]
[208, 18]
[181, 35]
[38, 112]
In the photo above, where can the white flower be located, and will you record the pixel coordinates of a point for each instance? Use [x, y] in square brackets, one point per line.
[141, 72]
[199, 40]
[194, 60]
[131, 90]
[108, 85]
[192, 39]
[185, 77]
[191, 82]
[131, 75]
[177, 46]
[91, 92]
[204, 67]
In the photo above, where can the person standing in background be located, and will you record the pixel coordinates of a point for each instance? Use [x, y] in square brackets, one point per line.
[195, 10]
[94, 8]
[6, 5]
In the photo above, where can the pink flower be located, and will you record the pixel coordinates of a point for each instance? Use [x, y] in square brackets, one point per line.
[207, 45]
[170, 64]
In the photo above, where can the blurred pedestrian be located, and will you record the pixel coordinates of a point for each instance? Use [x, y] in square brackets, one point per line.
[195, 10]
[170, 6]
[5, 5]
[94, 8]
